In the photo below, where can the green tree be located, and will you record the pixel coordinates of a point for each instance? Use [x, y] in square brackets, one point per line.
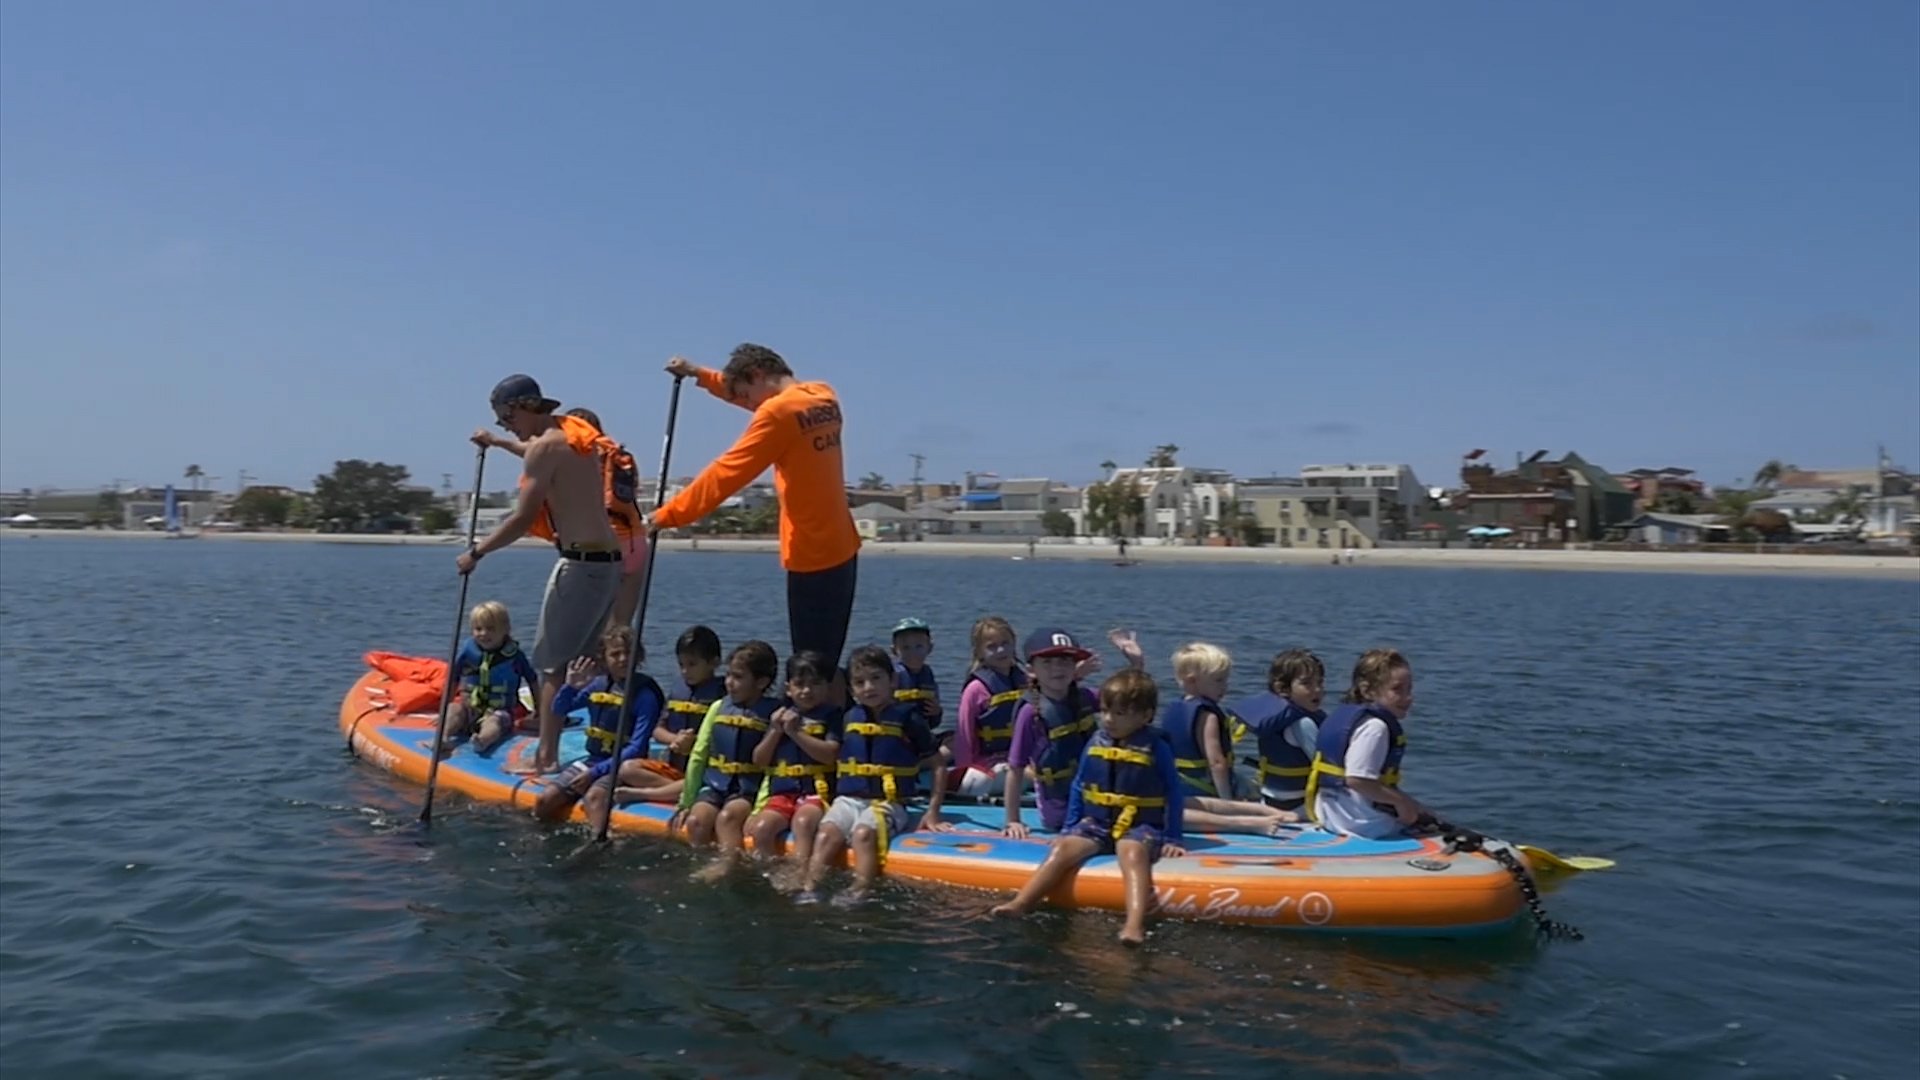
[1162, 456]
[1731, 503]
[436, 518]
[1115, 507]
[1767, 525]
[873, 481]
[106, 513]
[763, 519]
[1057, 523]
[358, 494]
[1767, 477]
[193, 474]
[1676, 502]
[1850, 506]
[259, 506]
[300, 513]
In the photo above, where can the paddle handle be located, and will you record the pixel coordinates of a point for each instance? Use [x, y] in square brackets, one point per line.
[453, 652]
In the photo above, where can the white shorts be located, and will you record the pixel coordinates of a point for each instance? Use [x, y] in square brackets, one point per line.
[848, 813]
[978, 783]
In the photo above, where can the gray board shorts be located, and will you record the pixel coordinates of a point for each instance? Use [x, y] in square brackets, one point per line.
[579, 596]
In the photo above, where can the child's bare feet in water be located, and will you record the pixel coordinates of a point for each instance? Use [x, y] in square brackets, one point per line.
[1132, 935]
[713, 872]
[1012, 909]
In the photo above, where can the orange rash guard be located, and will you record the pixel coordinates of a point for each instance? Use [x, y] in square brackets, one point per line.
[797, 431]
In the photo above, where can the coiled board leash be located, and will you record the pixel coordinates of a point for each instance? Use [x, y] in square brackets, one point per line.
[1466, 840]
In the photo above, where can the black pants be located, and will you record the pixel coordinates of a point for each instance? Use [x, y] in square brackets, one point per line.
[819, 606]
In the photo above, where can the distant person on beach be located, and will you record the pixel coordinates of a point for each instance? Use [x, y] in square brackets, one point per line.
[620, 486]
[562, 490]
[796, 430]
[488, 670]
[1355, 784]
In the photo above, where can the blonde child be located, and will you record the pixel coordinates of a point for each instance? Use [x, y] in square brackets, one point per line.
[1127, 799]
[723, 780]
[489, 670]
[991, 699]
[1354, 787]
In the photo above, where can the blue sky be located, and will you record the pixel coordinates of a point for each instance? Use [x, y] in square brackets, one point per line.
[1016, 237]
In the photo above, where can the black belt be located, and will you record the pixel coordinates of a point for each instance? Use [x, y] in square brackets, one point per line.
[588, 556]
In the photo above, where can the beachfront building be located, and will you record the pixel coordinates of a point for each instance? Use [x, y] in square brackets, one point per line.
[1289, 512]
[1181, 502]
[991, 508]
[1665, 486]
[1543, 499]
[1396, 481]
[1676, 530]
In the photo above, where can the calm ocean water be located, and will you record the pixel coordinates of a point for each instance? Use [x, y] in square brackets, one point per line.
[197, 880]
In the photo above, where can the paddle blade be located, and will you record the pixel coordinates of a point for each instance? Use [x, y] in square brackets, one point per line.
[1546, 862]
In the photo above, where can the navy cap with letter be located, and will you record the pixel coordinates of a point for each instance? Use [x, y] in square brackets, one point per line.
[1053, 641]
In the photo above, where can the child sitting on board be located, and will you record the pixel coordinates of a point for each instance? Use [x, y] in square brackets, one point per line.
[600, 688]
[489, 670]
[1051, 727]
[994, 691]
[698, 654]
[1354, 786]
[1285, 722]
[1126, 799]
[799, 751]
[913, 680]
[884, 745]
[723, 780]
[1196, 725]
[1208, 669]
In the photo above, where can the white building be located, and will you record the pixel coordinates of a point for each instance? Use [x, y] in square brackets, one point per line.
[1181, 502]
[1397, 478]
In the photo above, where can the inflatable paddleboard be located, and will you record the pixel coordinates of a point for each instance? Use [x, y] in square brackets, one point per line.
[1306, 879]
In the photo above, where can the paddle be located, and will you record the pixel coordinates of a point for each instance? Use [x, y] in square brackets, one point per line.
[1546, 863]
[623, 728]
[453, 654]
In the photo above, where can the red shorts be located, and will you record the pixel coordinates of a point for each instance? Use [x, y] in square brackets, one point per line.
[788, 805]
[658, 768]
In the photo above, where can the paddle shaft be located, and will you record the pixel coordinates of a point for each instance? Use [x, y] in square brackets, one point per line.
[624, 728]
[453, 654]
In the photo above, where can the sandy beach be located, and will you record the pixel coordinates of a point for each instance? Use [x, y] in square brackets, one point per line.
[1892, 566]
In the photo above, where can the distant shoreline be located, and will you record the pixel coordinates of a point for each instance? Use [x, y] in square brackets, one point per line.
[1902, 567]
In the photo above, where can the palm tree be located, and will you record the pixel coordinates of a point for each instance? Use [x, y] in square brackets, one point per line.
[873, 481]
[194, 473]
[1162, 456]
[1108, 466]
[1850, 507]
[1767, 477]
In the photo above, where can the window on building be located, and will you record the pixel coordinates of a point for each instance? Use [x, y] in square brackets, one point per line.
[973, 526]
[1303, 534]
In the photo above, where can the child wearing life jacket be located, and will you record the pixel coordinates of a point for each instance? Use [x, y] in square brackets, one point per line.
[723, 780]
[884, 745]
[600, 688]
[1196, 725]
[1126, 799]
[1354, 786]
[1051, 726]
[489, 670]
[698, 655]
[912, 679]
[799, 751]
[994, 690]
[1285, 722]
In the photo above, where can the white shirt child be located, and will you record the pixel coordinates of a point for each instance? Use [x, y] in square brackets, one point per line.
[1345, 810]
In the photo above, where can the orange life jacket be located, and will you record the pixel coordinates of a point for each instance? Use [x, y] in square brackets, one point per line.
[619, 480]
[417, 680]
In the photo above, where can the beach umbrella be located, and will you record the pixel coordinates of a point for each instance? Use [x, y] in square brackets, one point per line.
[1480, 530]
[1500, 530]
[23, 519]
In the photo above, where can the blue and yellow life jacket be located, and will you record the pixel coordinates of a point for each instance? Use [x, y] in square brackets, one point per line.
[496, 678]
[1069, 725]
[1181, 721]
[1329, 770]
[603, 716]
[993, 728]
[915, 686]
[687, 707]
[1284, 767]
[878, 759]
[1121, 789]
[794, 771]
[737, 731]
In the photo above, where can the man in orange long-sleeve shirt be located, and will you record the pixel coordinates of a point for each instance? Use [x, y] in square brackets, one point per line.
[795, 429]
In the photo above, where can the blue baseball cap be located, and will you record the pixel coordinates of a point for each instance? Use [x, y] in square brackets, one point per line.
[521, 390]
[1053, 641]
[908, 625]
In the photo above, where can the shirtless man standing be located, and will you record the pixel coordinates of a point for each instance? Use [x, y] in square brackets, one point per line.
[586, 577]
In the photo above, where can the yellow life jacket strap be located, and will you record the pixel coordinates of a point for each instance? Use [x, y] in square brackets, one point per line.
[1085, 723]
[1005, 697]
[798, 770]
[1048, 776]
[601, 733]
[1121, 753]
[688, 707]
[914, 694]
[1129, 805]
[1192, 764]
[605, 697]
[740, 720]
[995, 732]
[866, 727]
[1322, 767]
[734, 768]
[1269, 769]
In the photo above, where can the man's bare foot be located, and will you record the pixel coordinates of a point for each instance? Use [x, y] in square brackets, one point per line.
[534, 768]
[1008, 910]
